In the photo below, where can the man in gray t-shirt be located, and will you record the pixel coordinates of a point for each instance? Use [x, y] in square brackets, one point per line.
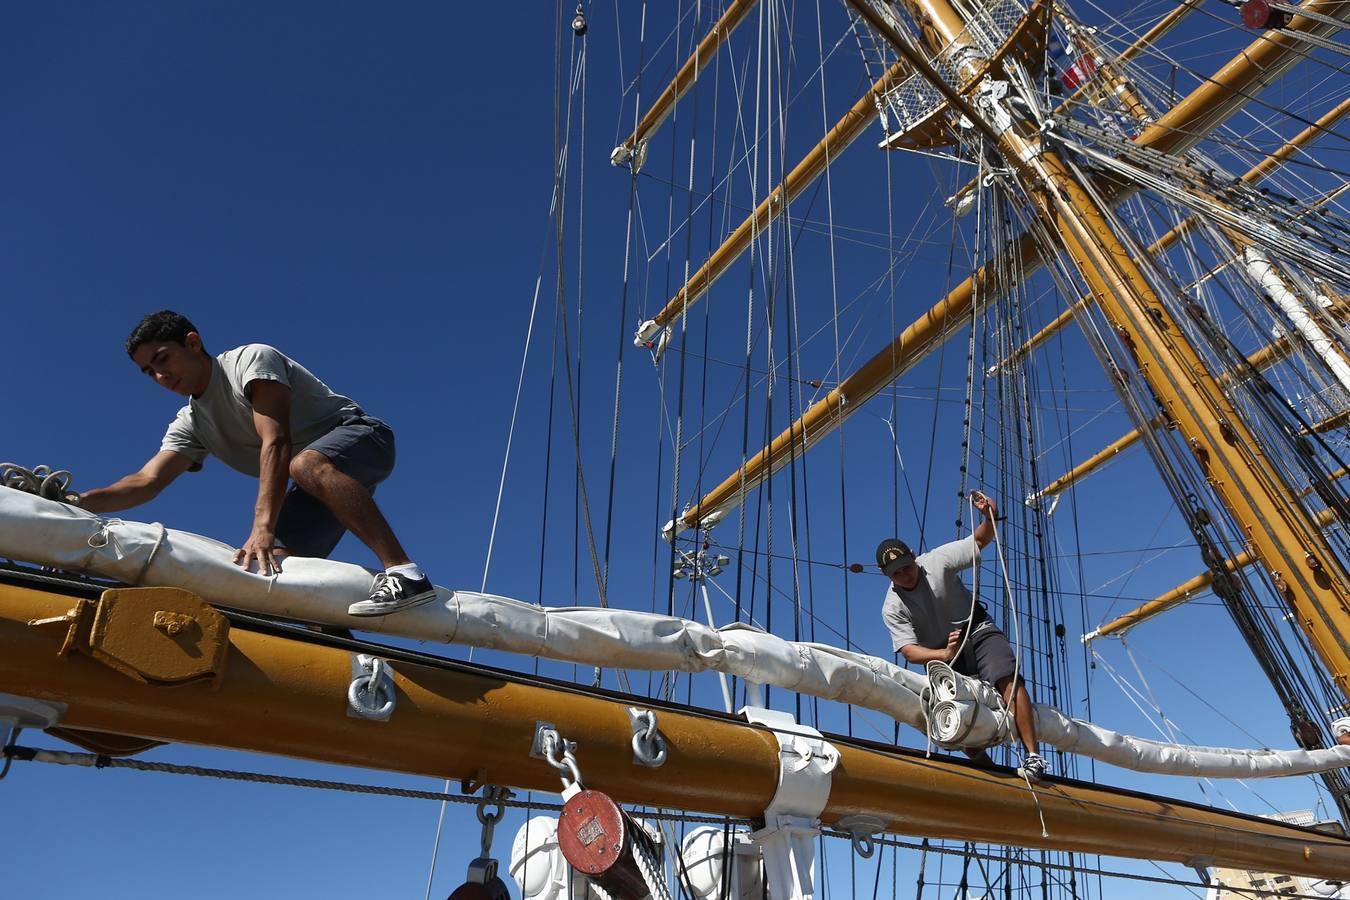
[932, 615]
[264, 414]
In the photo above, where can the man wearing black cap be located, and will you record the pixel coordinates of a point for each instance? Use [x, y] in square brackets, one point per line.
[928, 610]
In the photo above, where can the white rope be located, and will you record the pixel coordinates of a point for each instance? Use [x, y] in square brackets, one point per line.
[974, 592]
[1017, 664]
[44, 481]
[651, 872]
[1012, 614]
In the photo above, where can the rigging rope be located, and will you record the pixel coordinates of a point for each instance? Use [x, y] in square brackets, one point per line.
[101, 761]
[45, 482]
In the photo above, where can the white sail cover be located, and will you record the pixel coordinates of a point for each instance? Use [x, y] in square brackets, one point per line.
[982, 714]
[315, 590]
[53, 534]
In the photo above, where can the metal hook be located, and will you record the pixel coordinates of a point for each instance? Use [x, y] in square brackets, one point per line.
[495, 797]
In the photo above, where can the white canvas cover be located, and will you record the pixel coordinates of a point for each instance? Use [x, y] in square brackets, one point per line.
[54, 534]
[1140, 754]
[314, 590]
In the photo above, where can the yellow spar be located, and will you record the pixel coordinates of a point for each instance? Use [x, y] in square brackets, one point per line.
[1174, 132]
[284, 692]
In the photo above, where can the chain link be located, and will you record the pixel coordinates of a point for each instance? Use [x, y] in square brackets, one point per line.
[365, 691]
[648, 745]
[558, 753]
[494, 797]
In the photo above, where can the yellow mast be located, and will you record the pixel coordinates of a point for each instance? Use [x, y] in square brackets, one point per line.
[1174, 132]
[1267, 356]
[1258, 172]
[1178, 595]
[632, 146]
[1159, 30]
[1277, 530]
[1091, 464]
[835, 141]
[286, 695]
[1262, 359]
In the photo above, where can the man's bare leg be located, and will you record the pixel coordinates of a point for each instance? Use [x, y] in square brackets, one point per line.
[350, 503]
[1016, 698]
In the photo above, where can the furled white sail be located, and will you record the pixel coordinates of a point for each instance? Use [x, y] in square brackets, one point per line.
[981, 716]
[319, 591]
[958, 711]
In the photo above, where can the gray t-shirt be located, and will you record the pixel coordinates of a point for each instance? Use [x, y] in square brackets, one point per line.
[928, 613]
[220, 421]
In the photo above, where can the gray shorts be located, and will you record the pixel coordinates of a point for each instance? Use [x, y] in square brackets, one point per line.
[987, 655]
[361, 447]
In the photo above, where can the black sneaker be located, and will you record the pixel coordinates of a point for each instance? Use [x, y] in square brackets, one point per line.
[392, 593]
[1032, 768]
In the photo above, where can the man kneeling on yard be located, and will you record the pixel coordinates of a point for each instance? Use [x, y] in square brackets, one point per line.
[265, 415]
[928, 607]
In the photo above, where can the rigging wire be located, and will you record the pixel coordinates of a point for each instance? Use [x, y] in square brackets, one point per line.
[622, 322]
[924, 847]
[556, 212]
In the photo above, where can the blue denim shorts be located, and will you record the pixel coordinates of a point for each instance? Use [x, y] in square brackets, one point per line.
[361, 447]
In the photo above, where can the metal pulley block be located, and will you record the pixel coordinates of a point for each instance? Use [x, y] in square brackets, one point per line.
[482, 883]
[604, 843]
[1263, 14]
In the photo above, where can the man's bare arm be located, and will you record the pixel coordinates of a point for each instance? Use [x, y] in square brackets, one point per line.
[272, 419]
[921, 655]
[984, 532]
[139, 487]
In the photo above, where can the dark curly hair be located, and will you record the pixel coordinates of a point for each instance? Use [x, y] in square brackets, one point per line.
[165, 325]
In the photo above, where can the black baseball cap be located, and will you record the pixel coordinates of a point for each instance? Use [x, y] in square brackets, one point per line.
[893, 555]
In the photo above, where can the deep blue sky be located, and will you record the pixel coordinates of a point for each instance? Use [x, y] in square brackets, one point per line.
[368, 189]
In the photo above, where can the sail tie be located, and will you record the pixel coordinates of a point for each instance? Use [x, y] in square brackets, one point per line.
[104, 536]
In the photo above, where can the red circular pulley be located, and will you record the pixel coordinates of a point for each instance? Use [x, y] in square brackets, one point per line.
[1259, 14]
[591, 833]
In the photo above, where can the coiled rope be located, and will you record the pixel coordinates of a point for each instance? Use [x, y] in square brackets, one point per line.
[41, 480]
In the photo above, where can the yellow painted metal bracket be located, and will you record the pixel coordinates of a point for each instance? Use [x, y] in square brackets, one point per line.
[162, 636]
